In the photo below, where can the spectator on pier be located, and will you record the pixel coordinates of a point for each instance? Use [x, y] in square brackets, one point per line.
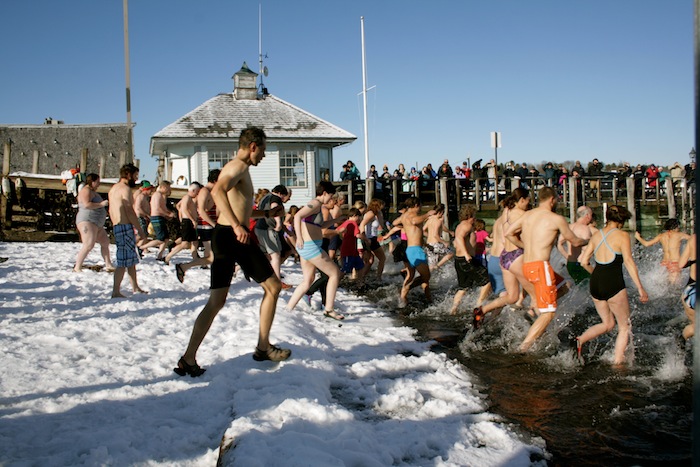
[385, 175]
[638, 174]
[372, 172]
[491, 172]
[550, 174]
[433, 174]
[690, 174]
[354, 171]
[578, 178]
[663, 175]
[578, 168]
[533, 177]
[523, 172]
[677, 172]
[426, 177]
[459, 173]
[402, 171]
[445, 171]
[652, 175]
[477, 171]
[595, 169]
[345, 174]
[508, 174]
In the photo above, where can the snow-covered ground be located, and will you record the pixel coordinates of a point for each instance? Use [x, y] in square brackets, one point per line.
[88, 380]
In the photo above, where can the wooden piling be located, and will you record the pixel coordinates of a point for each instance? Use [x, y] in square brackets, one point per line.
[670, 198]
[630, 203]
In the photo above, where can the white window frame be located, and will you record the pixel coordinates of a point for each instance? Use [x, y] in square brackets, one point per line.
[293, 169]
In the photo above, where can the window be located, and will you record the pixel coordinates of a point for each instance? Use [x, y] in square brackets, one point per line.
[219, 157]
[324, 164]
[292, 168]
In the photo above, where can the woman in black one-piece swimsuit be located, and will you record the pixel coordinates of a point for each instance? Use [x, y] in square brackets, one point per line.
[611, 248]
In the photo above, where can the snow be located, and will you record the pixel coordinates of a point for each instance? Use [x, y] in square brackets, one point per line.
[88, 380]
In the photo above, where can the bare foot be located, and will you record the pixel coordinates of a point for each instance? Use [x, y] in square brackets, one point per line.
[109, 269]
[118, 295]
[77, 270]
[140, 290]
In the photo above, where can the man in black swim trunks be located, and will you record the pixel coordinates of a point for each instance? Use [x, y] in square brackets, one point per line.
[233, 195]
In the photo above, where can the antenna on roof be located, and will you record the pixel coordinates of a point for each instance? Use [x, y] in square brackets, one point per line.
[263, 69]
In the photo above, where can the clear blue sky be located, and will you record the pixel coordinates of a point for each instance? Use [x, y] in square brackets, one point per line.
[561, 80]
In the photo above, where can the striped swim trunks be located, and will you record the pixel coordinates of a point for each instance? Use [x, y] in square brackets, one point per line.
[126, 245]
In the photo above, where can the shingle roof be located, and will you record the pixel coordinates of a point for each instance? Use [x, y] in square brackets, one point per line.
[224, 116]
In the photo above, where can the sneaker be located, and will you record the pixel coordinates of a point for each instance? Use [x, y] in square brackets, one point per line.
[478, 318]
[273, 354]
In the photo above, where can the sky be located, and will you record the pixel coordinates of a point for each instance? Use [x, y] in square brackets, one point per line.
[560, 80]
[92, 382]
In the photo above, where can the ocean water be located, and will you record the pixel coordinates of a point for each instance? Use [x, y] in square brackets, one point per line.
[591, 414]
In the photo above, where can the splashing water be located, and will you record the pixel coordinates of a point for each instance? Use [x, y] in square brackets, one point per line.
[594, 414]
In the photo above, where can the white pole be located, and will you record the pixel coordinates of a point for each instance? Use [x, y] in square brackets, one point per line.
[260, 57]
[605, 212]
[128, 79]
[364, 93]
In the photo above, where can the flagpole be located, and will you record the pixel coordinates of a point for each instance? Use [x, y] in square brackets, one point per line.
[364, 93]
[130, 141]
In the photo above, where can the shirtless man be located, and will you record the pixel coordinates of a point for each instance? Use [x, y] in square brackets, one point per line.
[233, 195]
[142, 207]
[206, 220]
[439, 251]
[124, 220]
[470, 272]
[187, 211]
[412, 223]
[583, 229]
[538, 229]
[670, 240]
[159, 216]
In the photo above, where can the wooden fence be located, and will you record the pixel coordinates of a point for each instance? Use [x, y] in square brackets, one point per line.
[674, 198]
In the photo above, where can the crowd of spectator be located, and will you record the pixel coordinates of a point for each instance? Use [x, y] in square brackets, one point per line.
[529, 175]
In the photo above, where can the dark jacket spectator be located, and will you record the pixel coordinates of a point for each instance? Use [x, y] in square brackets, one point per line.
[578, 168]
[509, 172]
[550, 174]
[346, 174]
[595, 168]
[445, 171]
[477, 171]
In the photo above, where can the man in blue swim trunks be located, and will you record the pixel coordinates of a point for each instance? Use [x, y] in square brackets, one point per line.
[125, 220]
[412, 222]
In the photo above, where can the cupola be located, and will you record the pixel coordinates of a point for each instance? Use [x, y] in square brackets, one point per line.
[245, 83]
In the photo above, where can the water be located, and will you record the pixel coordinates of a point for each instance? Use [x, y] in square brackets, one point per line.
[596, 414]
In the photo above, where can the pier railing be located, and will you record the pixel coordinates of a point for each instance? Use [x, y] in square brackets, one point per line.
[674, 197]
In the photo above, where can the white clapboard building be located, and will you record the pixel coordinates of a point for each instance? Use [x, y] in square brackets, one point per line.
[299, 145]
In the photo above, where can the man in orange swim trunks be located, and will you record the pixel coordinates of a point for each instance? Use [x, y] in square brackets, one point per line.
[538, 230]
